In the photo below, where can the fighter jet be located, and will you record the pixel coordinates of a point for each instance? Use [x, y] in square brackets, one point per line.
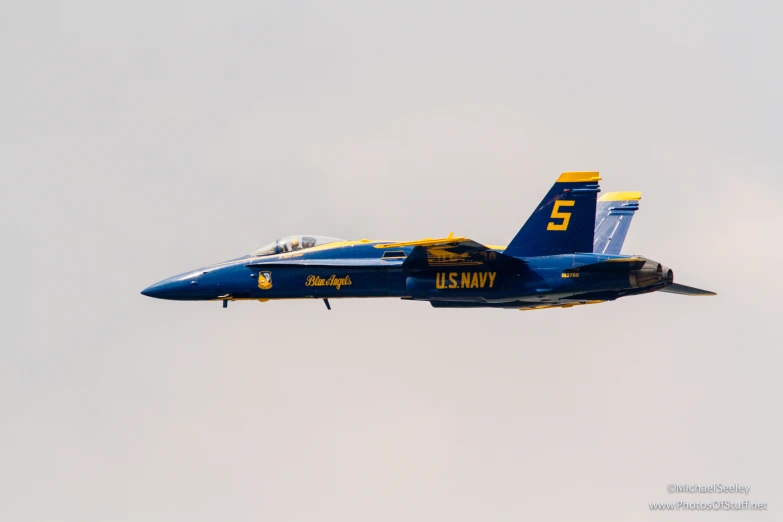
[566, 254]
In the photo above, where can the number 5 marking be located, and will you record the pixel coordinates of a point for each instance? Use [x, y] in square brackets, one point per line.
[556, 214]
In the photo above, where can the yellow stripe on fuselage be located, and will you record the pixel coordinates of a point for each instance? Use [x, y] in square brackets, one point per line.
[424, 242]
[329, 246]
[567, 305]
[623, 260]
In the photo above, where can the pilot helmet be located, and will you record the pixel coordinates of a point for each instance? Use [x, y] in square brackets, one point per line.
[294, 243]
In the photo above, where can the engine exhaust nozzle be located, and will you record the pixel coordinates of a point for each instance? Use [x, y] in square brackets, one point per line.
[651, 273]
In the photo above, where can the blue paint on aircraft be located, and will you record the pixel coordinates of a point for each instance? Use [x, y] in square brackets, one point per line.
[566, 254]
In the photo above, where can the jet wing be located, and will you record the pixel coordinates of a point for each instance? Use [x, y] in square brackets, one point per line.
[449, 252]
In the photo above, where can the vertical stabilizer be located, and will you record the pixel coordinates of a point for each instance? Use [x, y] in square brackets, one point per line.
[564, 221]
[613, 216]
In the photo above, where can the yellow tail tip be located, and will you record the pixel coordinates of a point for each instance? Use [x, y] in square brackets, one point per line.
[578, 177]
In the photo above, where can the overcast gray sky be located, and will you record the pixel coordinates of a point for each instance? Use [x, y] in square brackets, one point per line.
[143, 139]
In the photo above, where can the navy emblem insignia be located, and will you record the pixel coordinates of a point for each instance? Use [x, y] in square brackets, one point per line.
[265, 280]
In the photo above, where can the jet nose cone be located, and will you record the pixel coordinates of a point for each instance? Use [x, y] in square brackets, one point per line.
[158, 290]
[190, 286]
[177, 288]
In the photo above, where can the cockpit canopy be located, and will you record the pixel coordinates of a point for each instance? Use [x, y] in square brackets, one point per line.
[292, 244]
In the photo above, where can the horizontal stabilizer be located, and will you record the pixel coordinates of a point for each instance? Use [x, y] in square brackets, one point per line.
[685, 290]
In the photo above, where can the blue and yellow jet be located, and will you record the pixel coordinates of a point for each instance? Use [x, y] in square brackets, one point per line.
[566, 254]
